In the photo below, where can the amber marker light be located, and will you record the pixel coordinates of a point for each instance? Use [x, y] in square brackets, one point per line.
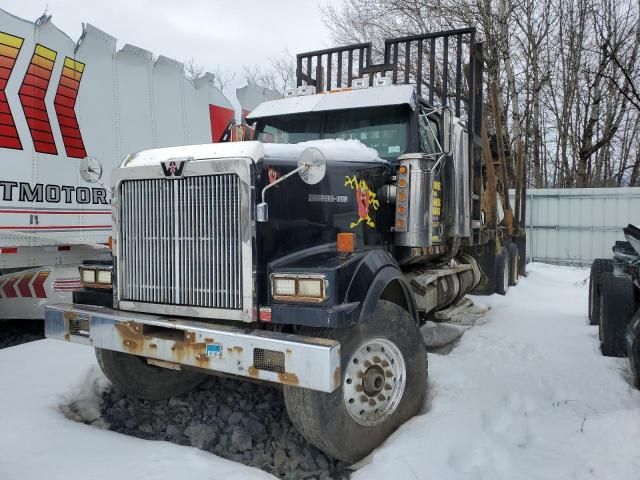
[401, 210]
[402, 183]
[402, 196]
[402, 169]
[346, 242]
[400, 223]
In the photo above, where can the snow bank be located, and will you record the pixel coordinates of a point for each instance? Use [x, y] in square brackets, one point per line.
[38, 442]
[527, 395]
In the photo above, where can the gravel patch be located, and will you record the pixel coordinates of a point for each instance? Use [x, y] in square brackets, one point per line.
[239, 421]
[15, 332]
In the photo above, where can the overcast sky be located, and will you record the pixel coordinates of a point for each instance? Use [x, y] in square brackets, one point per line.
[214, 33]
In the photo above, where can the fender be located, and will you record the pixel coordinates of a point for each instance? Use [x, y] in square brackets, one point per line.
[379, 277]
[356, 284]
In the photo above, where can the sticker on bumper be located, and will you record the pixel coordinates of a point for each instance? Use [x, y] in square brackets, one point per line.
[214, 350]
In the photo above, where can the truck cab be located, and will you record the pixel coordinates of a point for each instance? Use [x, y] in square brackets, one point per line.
[309, 256]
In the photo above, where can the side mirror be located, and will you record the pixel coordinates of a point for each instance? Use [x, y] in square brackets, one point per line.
[90, 169]
[312, 167]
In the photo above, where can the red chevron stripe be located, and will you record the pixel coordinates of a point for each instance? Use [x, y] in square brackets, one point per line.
[7, 288]
[23, 285]
[32, 94]
[64, 103]
[38, 284]
[9, 137]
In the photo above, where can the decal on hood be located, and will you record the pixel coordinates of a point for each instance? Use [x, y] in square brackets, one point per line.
[365, 199]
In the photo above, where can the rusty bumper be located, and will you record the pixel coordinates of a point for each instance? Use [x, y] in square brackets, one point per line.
[307, 362]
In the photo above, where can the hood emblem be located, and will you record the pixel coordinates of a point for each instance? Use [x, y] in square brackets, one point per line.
[173, 168]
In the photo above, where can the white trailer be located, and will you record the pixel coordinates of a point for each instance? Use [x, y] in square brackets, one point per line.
[62, 101]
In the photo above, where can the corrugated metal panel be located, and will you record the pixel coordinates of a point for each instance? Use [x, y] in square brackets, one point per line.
[575, 226]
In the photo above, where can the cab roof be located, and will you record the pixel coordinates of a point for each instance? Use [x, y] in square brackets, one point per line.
[338, 100]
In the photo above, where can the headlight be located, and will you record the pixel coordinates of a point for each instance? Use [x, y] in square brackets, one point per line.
[95, 277]
[284, 286]
[104, 277]
[299, 288]
[88, 276]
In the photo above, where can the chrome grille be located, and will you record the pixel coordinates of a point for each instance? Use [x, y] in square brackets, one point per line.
[180, 241]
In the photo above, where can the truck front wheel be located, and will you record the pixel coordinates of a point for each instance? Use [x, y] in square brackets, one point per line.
[384, 383]
[135, 377]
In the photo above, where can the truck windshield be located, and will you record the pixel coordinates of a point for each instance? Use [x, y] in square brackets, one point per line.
[384, 128]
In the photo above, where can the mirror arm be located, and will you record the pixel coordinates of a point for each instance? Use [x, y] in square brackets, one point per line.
[283, 178]
[99, 182]
[262, 210]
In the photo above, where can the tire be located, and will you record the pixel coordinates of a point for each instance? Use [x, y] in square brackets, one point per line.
[502, 272]
[514, 264]
[332, 421]
[617, 306]
[633, 342]
[598, 267]
[135, 377]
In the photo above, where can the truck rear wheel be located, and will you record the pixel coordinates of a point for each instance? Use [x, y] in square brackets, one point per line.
[135, 377]
[598, 267]
[502, 272]
[617, 305]
[384, 383]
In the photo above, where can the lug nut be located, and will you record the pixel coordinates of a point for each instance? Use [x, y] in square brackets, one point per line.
[376, 359]
[367, 363]
[388, 373]
[359, 388]
[372, 402]
[363, 398]
[387, 387]
[385, 364]
[381, 397]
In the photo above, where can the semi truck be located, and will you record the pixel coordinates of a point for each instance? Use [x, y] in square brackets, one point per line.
[64, 103]
[310, 255]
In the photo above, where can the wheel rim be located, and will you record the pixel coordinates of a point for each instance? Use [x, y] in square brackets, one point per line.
[374, 381]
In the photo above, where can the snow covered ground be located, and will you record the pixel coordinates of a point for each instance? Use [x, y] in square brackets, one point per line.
[526, 394]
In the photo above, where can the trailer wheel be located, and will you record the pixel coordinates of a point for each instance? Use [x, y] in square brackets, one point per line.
[617, 305]
[502, 272]
[598, 267]
[384, 383]
[135, 377]
[514, 264]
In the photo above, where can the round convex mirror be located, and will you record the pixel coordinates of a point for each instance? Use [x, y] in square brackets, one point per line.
[314, 165]
[90, 169]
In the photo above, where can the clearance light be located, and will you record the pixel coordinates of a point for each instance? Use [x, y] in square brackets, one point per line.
[402, 196]
[298, 288]
[401, 210]
[400, 223]
[346, 242]
[402, 183]
[402, 170]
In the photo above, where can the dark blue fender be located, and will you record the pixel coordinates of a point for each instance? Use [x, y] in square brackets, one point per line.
[379, 277]
[356, 283]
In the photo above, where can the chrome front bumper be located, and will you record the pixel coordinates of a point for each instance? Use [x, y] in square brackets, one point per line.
[307, 362]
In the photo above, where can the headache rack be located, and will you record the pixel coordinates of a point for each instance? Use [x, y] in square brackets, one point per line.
[434, 62]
